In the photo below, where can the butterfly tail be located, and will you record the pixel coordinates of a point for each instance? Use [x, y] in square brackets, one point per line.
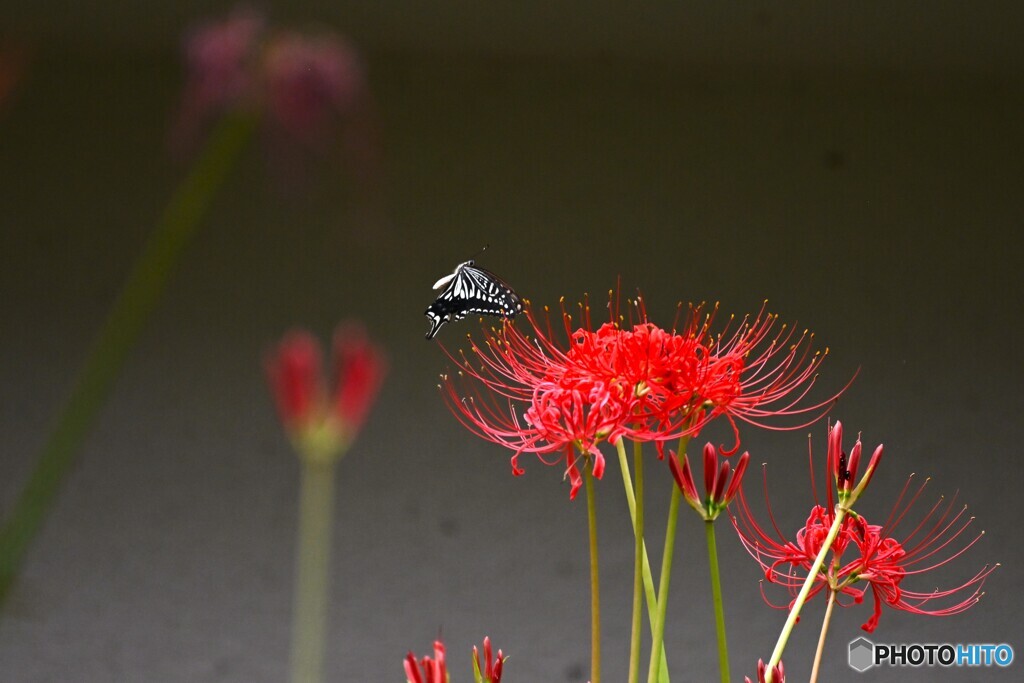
[436, 322]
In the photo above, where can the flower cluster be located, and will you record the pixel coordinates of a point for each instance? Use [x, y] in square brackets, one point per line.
[534, 394]
[865, 555]
[321, 425]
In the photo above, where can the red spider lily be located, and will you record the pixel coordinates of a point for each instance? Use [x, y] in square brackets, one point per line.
[294, 370]
[863, 552]
[777, 673]
[760, 373]
[532, 393]
[295, 377]
[717, 496]
[427, 670]
[491, 670]
[536, 399]
[360, 366]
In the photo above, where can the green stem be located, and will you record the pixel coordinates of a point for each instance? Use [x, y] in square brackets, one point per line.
[595, 600]
[652, 599]
[657, 670]
[312, 564]
[638, 564]
[824, 634]
[801, 597]
[124, 322]
[716, 594]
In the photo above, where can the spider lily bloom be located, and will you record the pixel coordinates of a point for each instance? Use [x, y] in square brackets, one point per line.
[324, 427]
[491, 670]
[530, 396]
[844, 469]
[534, 394]
[427, 670]
[777, 673]
[760, 373]
[717, 495]
[687, 377]
[864, 555]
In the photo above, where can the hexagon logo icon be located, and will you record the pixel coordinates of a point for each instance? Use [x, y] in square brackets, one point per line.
[862, 654]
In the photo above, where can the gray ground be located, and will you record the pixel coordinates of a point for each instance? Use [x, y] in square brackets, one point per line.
[878, 208]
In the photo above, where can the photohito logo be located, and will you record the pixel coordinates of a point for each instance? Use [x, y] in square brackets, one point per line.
[864, 654]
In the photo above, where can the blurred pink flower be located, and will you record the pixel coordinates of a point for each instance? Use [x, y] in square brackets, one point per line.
[305, 86]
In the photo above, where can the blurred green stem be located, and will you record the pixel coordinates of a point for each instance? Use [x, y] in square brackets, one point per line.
[312, 564]
[115, 339]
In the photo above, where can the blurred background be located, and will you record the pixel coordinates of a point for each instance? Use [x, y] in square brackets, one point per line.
[857, 165]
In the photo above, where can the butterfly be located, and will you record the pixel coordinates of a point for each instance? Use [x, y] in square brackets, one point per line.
[471, 290]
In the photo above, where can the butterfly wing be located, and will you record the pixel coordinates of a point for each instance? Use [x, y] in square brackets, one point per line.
[501, 300]
[475, 291]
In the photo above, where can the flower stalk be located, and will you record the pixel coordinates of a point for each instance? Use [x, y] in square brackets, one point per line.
[650, 596]
[716, 595]
[638, 587]
[115, 339]
[657, 671]
[801, 598]
[595, 592]
[312, 565]
[823, 635]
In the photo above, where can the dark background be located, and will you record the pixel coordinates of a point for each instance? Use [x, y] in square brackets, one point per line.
[858, 166]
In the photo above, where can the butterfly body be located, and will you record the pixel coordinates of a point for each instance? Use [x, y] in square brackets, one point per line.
[469, 290]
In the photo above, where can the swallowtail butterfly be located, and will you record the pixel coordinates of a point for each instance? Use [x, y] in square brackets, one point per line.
[471, 290]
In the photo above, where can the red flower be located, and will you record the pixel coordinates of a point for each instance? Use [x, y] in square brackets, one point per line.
[760, 373]
[778, 673]
[360, 366]
[427, 670]
[294, 370]
[532, 397]
[717, 496]
[863, 552]
[295, 378]
[490, 672]
[532, 393]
